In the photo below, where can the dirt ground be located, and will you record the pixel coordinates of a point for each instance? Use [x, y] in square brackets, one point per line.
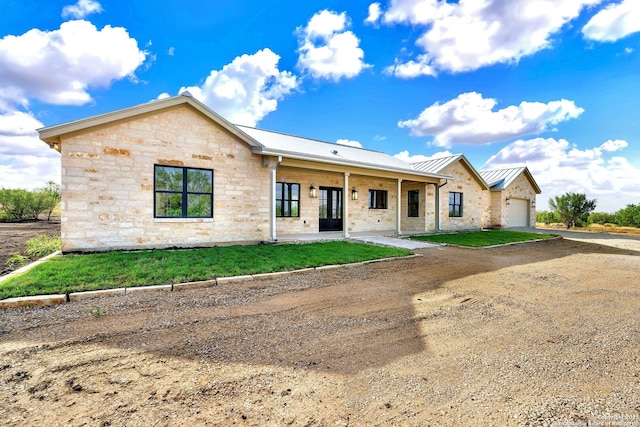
[15, 235]
[536, 334]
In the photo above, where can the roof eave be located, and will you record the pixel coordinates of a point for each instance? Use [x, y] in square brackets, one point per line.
[300, 156]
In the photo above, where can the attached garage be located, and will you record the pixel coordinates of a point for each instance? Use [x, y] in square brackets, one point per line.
[517, 213]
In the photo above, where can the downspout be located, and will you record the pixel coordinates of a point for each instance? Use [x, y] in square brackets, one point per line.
[438, 187]
[274, 168]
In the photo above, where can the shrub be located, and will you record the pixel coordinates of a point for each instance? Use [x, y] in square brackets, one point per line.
[601, 218]
[43, 245]
[16, 261]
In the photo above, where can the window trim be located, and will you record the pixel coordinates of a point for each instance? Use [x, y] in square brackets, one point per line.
[413, 206]
[376, 201]
[289, 199]
[459, 205]
[184, 193]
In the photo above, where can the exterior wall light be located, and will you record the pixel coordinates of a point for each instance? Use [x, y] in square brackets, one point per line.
[312, 192]
[508, 199]
[354, 194]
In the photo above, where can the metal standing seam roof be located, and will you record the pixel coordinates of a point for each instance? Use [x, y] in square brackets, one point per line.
[500, 179]
[438, 165]
[291, 146]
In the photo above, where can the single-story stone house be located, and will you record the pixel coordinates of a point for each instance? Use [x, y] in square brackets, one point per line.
[173, 173]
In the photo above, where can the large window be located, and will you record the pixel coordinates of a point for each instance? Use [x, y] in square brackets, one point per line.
[413, 203]
[183, 192]
[377, 199]
[455, 205]
[287, 199]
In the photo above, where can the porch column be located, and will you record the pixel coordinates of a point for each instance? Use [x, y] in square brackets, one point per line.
[399, 208]
[272, 211]
[345, 206]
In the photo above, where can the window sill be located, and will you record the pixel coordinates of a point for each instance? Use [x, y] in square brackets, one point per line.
[192, 220]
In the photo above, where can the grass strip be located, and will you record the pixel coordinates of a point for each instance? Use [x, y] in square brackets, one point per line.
[108, 270]
[478, 239]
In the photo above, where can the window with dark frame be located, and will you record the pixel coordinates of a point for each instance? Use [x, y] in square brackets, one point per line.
[455, 205]
[413, 203]
[377, 199]
[287, 200]
[183, 192]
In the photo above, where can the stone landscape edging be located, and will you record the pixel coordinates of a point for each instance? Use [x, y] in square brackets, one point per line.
[56, 299]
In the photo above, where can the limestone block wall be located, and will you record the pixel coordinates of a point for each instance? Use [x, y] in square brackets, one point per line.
[361, 218]
[108, 184]
[426, 211]
[473, 206]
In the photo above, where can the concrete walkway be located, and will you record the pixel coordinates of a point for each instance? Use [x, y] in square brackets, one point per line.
[395, 242]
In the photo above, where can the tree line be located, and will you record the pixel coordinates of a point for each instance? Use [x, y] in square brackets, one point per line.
[574, 209]
[25, 205]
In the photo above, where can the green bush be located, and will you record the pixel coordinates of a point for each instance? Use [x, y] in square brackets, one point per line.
[42, 245]
[547, 217]
[601, 218]
[21, 205]
[629, 216]
[16, 261]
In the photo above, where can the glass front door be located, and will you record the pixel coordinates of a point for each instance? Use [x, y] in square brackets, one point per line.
[330, 202]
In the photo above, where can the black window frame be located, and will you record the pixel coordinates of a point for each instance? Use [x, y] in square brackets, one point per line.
[456, 205]
[287, 196]
[184, 192]
[378, 199]
[413, 203]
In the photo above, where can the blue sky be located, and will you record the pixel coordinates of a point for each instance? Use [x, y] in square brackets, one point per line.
[551, 84]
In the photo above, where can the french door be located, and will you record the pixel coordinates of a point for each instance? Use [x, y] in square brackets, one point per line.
[330, 209]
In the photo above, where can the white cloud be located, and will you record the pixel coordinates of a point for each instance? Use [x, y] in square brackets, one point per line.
[471, 34]
[25, 161]
[327, 50]
[349, 142]
[410, 69]
[470, 119]
[404, 155]
[374, 13]
[614, 22]
[247, 89]
[560, 167]
[59, 66]
[171, 51]
[81, 9]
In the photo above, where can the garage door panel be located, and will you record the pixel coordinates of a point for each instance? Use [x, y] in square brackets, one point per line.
[518, 213]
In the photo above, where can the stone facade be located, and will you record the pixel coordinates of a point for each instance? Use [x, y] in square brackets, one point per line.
[108, 183]
[473, 199]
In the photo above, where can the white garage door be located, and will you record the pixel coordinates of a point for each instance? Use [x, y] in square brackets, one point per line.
[518, 213]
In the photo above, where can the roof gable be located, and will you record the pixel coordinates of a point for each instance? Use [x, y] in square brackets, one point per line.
[500, 179]
[438, 165]
[51, 134]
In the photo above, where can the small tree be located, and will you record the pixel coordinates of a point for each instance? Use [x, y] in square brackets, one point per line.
[49, 197]
[572, 208]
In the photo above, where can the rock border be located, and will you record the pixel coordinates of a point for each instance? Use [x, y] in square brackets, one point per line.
[56, 299]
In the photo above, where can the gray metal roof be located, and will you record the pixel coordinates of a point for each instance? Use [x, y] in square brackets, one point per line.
[291, 146]
[435, 165]
[438, 165]
[499, 179]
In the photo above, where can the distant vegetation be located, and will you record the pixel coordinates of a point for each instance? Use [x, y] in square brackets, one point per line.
[576, 210]
[24, 205]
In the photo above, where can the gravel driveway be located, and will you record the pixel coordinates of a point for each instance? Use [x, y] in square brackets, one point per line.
[535, 334]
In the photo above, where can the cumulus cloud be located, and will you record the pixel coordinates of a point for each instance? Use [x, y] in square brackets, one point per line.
[559, 167]
[470, 119]
[349, 142]
[327, 50]
[81, 9]
[375, 11]
[59, 66]
[25, 161]
[469, 34]
[614, 22]
[404, 155]
[247, 89]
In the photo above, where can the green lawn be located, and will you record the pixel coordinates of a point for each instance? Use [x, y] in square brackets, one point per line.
[482, 238]
[73, 273]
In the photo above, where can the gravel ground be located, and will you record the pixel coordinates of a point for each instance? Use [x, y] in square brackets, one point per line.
[537, 334]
